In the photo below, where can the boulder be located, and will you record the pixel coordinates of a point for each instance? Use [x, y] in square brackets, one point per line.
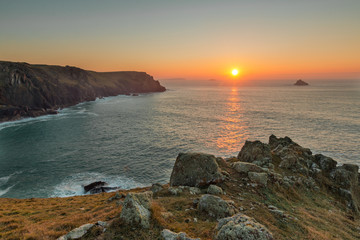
[255, 152]
[241, 227]
[292, 155]
[260, 178]
[215, 206]
[245, 167]
[136, 209]
[326, 164]
[345, 176]
[195, 170]
[215, 190]
[77, 232]
[156, 187]
[169, 235]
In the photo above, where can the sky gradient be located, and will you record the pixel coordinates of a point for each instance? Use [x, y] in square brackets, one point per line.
[278, 39]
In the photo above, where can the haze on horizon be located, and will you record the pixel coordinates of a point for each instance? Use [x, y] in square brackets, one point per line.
[280, 39]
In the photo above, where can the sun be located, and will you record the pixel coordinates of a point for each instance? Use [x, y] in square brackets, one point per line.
[235, 72]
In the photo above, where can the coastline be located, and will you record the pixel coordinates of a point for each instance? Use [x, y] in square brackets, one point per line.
[279, 187]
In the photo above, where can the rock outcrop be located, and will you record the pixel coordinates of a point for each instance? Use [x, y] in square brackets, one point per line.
[242, 227]
[169, 235]
[77, 232]
[136, 209]
[195, 170]
[33, 90]
[215, 206]
[256, 152]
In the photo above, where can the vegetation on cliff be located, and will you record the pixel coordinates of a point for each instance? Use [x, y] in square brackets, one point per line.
[31, 90]
[278, 190]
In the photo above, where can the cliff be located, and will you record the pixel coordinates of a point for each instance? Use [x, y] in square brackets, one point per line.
[274, 190]
[31, 90]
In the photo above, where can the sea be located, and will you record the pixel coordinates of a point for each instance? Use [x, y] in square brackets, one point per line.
[133, 141]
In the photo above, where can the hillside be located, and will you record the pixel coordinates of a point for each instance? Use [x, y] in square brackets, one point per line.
[275, 190]
[32, 90]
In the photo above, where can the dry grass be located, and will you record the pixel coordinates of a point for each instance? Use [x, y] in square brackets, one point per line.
[52, 217]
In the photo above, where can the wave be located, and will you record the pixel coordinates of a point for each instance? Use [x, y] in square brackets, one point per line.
[30, 120]
[73, 185]
[2, 192]
[5, 179]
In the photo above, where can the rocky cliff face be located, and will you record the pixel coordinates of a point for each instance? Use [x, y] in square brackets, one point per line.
[31, 90]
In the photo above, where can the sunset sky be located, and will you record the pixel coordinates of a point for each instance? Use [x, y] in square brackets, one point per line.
[278, 39]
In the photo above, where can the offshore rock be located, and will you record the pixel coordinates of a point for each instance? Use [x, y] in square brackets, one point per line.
[300, 83]
[169, 235]
[215, 206]
[255, 152]
[195, 170]
[136, 209]
[241, 227]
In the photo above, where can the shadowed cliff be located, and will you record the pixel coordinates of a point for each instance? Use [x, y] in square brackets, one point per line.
[32, 90]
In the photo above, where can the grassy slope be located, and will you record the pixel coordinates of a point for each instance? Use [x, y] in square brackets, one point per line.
[315, 214]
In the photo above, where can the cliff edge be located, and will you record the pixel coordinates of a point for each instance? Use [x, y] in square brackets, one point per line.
[28, 90]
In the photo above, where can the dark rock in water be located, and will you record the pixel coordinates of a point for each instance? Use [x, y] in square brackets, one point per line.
[102, 189]
[300, 83]
[94, 185]
[135, 94]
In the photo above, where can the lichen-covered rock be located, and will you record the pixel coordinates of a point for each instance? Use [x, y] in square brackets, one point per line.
[136, 209]
[215, 190]
[260, 178]
[241, 227]
[156, 187]
[245, 167]
[77, 232]
[292, 155]
[255, 152]
[195, 170]
[346, 175]
[215, 206]
[326, 164]
[169, 235]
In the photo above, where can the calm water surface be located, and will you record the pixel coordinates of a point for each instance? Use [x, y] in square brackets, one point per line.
[133, 141]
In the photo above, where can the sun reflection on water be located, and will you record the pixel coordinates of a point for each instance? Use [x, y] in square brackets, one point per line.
[234, 129]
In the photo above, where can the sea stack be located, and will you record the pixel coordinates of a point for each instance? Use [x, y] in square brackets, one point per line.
[301, 83]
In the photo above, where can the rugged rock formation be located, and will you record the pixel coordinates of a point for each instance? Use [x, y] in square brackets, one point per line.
[300, 83]
[33, 90]
[136, 209]
[195, 170]
[241, 226]
[255, 152]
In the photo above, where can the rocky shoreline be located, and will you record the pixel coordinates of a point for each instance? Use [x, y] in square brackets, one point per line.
[274, 190]
[34, 90]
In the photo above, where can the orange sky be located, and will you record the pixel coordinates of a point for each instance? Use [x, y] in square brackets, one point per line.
[189, 39]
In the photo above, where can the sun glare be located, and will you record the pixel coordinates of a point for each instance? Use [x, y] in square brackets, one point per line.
[235, 72]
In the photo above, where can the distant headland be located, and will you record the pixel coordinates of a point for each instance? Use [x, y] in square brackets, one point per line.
[301, 83]
[28, 90]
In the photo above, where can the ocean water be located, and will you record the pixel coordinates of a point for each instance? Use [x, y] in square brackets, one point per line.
[133, 141]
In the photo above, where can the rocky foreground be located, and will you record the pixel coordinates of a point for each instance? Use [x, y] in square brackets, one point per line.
[32, 90]
[275, 190]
